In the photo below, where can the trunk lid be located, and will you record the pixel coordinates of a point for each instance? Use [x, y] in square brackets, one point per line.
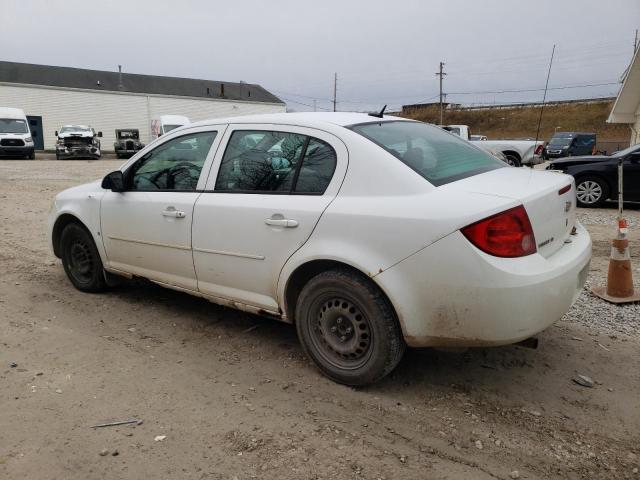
[550, 205]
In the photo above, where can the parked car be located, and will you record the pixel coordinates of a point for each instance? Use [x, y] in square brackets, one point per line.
[517, 152]
[597, 176]
[569, 144]
[369, 234]
[77, 141]
[15, 137]
[127, 142]
[165, 123]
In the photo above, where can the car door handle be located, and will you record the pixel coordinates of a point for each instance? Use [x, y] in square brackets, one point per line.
[172, 212]
[281, 222]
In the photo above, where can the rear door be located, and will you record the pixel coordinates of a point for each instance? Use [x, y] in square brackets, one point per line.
[267, 190]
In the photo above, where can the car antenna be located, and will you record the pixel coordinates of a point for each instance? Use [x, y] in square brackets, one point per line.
[379, 114]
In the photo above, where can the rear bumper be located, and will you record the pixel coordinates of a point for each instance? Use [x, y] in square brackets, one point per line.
[452, 294]
[16, 151]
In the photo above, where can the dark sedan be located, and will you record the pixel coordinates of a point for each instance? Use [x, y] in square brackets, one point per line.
[597, 176]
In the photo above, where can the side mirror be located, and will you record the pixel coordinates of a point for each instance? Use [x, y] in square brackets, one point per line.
[56, 134]
[100, 134]
[114, 181]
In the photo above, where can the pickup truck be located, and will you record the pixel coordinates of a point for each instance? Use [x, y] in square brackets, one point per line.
[517, 152]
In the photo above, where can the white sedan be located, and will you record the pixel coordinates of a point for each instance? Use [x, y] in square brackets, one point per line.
[369, 234]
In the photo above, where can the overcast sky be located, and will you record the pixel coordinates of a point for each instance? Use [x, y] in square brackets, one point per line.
[384, 51]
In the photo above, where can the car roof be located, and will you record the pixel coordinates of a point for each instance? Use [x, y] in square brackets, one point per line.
[342, 119]
[76, 126]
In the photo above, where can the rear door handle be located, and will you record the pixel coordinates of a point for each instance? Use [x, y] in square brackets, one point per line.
[172, 212]
[281, 222]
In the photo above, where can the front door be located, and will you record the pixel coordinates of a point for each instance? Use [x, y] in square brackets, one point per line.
[631, 177]
[270, 187]
[35, 127]
[146, 230]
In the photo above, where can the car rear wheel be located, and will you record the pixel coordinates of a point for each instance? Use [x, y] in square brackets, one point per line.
[591, 191]
[81, 260]
[512, 160]
[348, 328]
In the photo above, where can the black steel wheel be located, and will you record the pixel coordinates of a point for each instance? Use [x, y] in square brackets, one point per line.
[512, 160]
[348, 328]
[81, 260]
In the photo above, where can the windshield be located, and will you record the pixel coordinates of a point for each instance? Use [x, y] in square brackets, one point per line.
[168, 128]
[626, 151]
[11, 125]
[127, 134]
[74, 128]
[436, 155]
[560, 141]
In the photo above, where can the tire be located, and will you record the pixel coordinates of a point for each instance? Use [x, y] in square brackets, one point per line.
[512, 160]
[591, 191]
[81, 260]
[348, 328]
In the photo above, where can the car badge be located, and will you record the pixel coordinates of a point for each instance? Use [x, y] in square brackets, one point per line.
[567, 206]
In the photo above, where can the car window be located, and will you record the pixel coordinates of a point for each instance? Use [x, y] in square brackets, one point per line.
[436, 155]
[269, 161]
[174, 165]
[317, 168]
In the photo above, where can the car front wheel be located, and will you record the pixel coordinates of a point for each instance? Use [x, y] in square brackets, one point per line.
[81, 260]
[348, 328]
[591, 192]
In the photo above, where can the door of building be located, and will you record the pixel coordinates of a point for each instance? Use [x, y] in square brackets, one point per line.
[35, 126]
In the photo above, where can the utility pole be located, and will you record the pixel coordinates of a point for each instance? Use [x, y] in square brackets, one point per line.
[335, 90]
[441, 74]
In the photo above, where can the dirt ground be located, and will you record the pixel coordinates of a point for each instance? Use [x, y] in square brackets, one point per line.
[227, 395]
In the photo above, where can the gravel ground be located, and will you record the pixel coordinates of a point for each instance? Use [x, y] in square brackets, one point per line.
[605, 318]
[232, 396]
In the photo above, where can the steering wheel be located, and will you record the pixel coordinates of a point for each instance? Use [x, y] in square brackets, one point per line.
[180, 167]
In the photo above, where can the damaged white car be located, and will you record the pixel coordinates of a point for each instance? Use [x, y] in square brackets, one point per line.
[369, 233]
[78, 141]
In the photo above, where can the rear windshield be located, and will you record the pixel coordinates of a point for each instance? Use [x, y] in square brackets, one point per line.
[168, 128]
[436, 155]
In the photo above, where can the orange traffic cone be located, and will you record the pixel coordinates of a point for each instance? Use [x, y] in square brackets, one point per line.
[619, 287]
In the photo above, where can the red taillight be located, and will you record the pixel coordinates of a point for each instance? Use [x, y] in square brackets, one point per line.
[506, 234]
[539, 149]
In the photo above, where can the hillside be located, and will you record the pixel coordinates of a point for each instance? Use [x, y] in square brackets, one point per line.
[522, 122]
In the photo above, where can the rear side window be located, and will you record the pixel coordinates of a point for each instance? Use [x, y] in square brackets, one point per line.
[436, 155]
[258, 161]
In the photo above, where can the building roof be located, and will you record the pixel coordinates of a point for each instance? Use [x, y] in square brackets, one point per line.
[626, 105]
[46, 75]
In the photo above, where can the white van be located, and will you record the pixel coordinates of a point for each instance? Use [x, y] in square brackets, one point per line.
[165, 123]
[15, 136]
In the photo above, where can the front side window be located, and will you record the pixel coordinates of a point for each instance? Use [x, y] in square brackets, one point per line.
[436, 155]
[174, 165]
[275, 162]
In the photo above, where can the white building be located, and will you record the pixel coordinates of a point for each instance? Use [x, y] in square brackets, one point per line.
[55, 96]
[626, 109]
